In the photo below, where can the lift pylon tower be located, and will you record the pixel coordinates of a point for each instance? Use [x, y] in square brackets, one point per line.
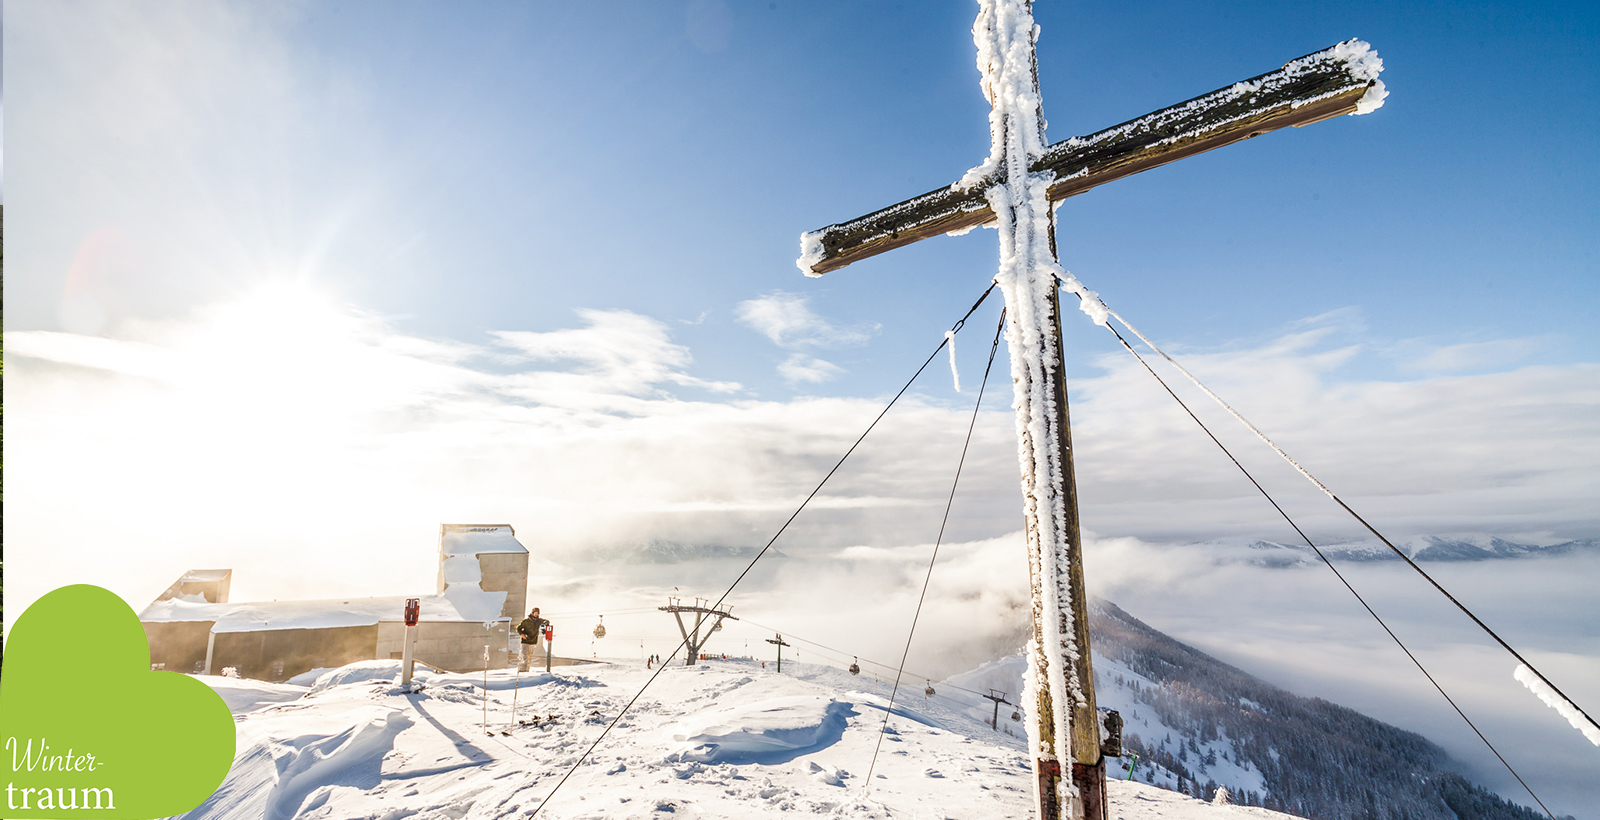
[998, 697]
[702, 615]
[778, 639]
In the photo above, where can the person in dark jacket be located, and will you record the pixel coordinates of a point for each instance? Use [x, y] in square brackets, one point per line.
[531, 628]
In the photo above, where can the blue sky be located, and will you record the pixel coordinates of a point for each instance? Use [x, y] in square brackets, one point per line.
[309, 279]
[488, 166]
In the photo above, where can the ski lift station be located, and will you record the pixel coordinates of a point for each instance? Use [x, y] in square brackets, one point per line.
[481, 591]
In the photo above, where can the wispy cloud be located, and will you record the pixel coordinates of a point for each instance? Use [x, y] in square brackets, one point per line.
[789, 322]
[1456, 358]
[802, 368]
[619, 351]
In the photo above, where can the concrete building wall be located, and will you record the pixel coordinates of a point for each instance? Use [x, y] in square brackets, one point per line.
[454, 647]
[280, 654]
[178, 646]
[506, 572]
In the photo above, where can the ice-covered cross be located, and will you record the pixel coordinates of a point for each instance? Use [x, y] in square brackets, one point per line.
[1016, 188]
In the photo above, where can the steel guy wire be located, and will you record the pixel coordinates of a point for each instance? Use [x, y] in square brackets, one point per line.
[1337, 500]
[949, 502]
[685, 641]
[1335, 570]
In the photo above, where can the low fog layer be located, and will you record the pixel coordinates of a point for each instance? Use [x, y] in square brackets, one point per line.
[277, 433]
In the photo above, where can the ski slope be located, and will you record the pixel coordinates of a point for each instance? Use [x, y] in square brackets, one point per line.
[722, 739]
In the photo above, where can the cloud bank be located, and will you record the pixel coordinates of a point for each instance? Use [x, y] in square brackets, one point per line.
[278, 429]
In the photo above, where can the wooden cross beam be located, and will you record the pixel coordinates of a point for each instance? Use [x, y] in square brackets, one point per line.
[1015, 189]
[1311, 89]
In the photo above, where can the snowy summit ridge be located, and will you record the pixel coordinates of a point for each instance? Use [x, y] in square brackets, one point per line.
[735, 739]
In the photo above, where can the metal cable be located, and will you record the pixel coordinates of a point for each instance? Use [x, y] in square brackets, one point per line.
[1336, 571]
[841, 654]
[949, 502]
[684, 642]
[1337, 500]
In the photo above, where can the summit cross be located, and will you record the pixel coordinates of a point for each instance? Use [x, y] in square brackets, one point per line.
[1016, 189]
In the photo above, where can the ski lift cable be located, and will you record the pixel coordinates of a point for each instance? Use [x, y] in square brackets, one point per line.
[943, 522]
[840, 653]
[1335, 570]
[612, 612]
[1337, 500]
[944, 340]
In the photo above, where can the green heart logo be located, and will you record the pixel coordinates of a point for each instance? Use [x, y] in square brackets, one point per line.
[89, 730]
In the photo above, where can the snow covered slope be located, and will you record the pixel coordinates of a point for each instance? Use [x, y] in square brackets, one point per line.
[724, 739]
[735, 739]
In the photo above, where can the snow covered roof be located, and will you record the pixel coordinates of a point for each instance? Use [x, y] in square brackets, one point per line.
[476, 539]
[205, 576]
[463, 603]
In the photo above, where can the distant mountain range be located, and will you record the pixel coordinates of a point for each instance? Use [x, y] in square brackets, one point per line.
[1418, 548]
[660, 551]
[1264, 553]
[1197, 723]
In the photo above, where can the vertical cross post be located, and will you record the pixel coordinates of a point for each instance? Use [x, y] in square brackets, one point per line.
[1064, 738]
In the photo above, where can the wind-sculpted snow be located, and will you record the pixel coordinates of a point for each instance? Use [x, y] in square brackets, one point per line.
[244, 696]
[277, 770]
[768, 731]
[305, 764]
[364, 672]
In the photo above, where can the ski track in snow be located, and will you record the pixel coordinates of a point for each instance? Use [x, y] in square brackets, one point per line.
[796, 742]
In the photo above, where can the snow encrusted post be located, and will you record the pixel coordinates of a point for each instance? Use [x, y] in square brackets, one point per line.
[1063, 734]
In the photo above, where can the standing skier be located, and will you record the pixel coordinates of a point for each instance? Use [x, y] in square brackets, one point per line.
[530, 629]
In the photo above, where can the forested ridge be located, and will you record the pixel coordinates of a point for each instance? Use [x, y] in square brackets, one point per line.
[1317, 759]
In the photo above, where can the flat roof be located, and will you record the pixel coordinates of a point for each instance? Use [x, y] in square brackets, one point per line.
[477, 539]
[461, 604]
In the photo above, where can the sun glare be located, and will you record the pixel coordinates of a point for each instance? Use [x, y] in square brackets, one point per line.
[279, 359]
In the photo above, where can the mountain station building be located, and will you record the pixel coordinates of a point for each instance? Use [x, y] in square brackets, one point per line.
[481, 592]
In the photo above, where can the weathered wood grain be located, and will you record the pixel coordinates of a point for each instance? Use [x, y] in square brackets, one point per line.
[1305, 91]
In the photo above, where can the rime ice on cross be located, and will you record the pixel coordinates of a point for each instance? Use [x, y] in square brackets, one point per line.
[1014, 189]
